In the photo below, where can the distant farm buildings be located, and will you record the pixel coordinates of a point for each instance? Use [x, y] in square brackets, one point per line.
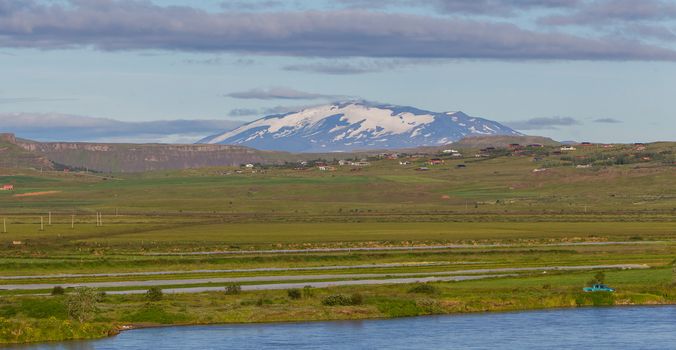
[452, 152]
[7, 188]
[360, 163]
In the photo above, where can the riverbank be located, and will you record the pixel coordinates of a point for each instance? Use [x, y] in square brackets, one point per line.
[42, 319]
[641, 327]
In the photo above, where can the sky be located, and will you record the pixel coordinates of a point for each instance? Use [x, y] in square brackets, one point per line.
[177, 70]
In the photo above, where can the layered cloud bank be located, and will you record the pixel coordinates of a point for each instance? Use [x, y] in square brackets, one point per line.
[62, 127]
[356, 29]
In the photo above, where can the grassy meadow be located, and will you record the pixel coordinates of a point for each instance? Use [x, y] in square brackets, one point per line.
[500, 212]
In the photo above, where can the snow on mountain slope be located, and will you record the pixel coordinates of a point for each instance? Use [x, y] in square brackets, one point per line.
[356, 126]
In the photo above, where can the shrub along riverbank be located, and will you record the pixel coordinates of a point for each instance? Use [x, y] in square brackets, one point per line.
[62, 317]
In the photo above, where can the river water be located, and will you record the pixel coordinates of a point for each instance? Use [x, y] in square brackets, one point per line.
[583, 328]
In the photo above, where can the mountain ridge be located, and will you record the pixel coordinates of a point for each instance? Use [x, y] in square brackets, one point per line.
[357, 125]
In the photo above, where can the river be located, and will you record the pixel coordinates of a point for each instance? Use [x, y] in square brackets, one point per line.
[581, 328]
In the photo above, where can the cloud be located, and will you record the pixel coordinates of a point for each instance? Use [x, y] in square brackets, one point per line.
[607, 120]
[659, 32]
[265, 111]
[353, 66]
[605, 11]
[213, 61]
[243, 112]
[4, 100]
[500, 7]
[63, 127]
[143, 25]
[281, 93]
[334, 68]
[544, 123]
[250, 5]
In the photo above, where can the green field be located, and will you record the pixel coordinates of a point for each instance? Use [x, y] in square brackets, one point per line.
[499, 212]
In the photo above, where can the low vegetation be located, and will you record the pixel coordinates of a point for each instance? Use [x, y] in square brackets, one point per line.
[501, 211]
[154, 294]
[233, 289]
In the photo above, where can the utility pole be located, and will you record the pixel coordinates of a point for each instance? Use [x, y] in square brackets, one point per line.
[4, 225]
[72, 222]
[42, 223]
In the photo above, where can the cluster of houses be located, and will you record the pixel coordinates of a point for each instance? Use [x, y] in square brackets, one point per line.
[7, 188]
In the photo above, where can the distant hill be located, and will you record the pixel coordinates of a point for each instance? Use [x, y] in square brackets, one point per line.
[503, 141]
[108, 157]
[12, 155]
[350, 126]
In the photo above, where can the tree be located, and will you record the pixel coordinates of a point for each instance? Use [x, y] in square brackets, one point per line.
[58, 290]
[308, 292]
[154, 294]
[82, 303]
[600, 277]
[233, 289]
[294, 293]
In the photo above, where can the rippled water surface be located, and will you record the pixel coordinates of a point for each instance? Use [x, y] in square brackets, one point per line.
[586, 328]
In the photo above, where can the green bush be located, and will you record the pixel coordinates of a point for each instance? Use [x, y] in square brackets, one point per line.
[43, 308]
[595, 299]
[308, 292]
[294, 293]
[357, 299]
[58, 290]
[599, 277]
[48, 329]
[343, 300]
[155, 314]
[82, 304]
[424, 288]
[154, 294]
[399, 307]
[429, 306]
[233, 289]
[337, 300]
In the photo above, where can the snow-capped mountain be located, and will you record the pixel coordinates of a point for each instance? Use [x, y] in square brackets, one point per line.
[349, 126]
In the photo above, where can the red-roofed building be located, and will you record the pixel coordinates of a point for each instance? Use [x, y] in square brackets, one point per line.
[7, 188]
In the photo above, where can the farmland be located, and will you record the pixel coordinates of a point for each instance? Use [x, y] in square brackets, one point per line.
[205, 227]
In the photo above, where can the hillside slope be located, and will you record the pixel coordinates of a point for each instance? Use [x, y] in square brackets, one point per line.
[109, 157]
[12, 155]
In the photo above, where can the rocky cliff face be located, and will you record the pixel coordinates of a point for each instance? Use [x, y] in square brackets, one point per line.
[146, 157]
[13, 155]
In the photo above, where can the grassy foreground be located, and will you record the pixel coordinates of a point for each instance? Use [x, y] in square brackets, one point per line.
[50, 226]
[35, 319]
